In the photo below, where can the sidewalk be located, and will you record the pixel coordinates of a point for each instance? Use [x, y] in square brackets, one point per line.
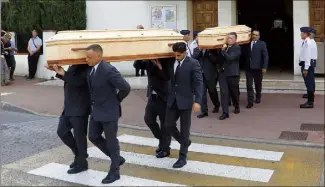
[276, 113]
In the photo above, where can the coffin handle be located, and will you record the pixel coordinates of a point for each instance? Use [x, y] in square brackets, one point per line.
[78, 49]
[220, 39]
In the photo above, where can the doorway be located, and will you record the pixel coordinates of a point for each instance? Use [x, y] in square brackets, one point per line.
[274, 20]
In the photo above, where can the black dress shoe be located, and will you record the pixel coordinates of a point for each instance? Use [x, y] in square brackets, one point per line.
[305, 96]
[163, 154]
[257, 101]
[78, 169]
[249, 105]
[158, 150]
[202, 115]
[180, 163]
[224, 116]
[237, 110]
[111, 177]
[215, 110]
[122, 161]
[73, 164]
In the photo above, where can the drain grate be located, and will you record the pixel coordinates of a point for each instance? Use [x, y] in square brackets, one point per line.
[311, 127]
[287, 135]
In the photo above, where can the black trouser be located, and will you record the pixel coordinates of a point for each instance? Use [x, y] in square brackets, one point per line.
[210, 86]
[255, 75]
[182, 136]
[78, 141]
[108, 145]
[32, 65]
[137, 70]
[156, 106]
[11, 63]
[229, 88]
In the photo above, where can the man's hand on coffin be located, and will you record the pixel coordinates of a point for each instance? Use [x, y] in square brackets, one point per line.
[157, 63]
[49, 67]
[59, 70]
[224, 46]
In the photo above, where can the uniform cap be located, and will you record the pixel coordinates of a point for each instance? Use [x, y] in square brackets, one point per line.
[313, 31]
[185, 32]
[306, 29]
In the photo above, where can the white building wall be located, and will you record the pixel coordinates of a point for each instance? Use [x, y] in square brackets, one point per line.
[300, 19]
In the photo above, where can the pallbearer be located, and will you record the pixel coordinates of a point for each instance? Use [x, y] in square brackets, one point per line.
[307, 66]
[107, 90]
[158, 79]
[75, 113]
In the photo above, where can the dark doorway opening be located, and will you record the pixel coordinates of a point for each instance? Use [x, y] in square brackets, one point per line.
[274, 20]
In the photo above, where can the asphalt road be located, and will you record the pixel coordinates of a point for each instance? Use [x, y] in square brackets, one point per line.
[23, 135]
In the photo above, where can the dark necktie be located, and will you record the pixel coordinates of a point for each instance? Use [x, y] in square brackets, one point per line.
[92, 75]
[253, 45]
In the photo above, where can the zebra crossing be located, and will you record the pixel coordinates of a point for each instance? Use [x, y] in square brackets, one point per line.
[209, 163]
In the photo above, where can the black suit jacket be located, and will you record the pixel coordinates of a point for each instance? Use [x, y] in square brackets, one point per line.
[208, 62]
[76, 91]
[230, 65]
[188, 87]
[257, 58]
[107, 90]
[158, 79]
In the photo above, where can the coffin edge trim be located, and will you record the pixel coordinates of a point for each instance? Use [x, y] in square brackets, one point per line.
[111, 59]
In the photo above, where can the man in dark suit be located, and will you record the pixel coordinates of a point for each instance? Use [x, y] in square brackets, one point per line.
[186, 78]
[75, 113]
[230, 75]
[208, 61]
[157, 92]
[107, 90]
[257, 60]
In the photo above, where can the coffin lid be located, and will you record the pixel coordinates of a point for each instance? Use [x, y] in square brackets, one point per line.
[224, 30]
[134, 34]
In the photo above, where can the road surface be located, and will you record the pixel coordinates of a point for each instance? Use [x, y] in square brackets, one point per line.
[32, 154]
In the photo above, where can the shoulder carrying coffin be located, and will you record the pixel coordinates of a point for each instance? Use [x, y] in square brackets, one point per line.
[68, 47]
[212, 38]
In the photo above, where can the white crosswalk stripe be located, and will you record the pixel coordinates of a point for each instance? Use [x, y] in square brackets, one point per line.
[204, 148]
[193, 167]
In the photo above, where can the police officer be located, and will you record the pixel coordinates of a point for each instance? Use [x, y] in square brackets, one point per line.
[187, 39]
[307, 65]
[313, 53]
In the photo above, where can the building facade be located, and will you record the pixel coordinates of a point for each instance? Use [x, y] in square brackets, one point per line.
[200, 14]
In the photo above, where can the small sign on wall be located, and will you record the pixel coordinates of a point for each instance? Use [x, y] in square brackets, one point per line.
[163, 17]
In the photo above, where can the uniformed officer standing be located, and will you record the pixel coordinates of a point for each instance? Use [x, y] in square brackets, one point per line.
[313, 54]
[307, 66]
[187, 39]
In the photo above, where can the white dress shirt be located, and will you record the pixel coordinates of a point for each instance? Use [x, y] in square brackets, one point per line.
[176, 64]
[313, 49]
[306, 52]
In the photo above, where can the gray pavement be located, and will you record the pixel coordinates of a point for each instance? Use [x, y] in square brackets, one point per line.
[23, 135]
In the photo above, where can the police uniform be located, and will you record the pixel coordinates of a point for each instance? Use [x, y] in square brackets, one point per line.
[307, 64]
[314, 52]
[188, 50]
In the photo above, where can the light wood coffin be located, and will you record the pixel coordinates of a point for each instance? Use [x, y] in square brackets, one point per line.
[68, 47]
[212, 38]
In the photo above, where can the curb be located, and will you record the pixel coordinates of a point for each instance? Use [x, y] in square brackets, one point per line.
[14, 108]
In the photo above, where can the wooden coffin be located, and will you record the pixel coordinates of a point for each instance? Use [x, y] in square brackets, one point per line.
[212, 38]
[68, 47]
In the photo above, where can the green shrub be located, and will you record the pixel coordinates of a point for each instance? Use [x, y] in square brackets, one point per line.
[22, 16]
